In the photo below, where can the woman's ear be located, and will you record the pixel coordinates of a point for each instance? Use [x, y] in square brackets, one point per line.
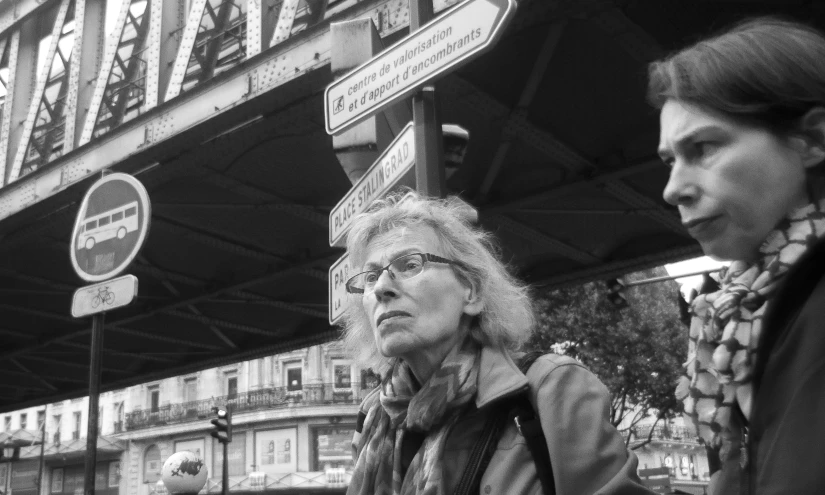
[472, 300]
[811, 144]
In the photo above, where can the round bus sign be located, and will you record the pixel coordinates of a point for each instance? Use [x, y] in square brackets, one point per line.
[110, 227]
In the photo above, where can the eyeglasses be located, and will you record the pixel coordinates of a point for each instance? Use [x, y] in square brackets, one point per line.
[401, 268]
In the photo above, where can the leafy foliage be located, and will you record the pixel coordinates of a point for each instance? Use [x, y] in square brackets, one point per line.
[637, 352]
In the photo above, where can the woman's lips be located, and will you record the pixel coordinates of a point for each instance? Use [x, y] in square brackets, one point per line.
[698, 226]
[389, 314]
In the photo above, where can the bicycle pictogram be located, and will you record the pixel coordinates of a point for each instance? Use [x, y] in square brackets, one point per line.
[104, 296]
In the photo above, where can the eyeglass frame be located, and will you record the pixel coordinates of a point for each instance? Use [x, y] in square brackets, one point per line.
[428, 258]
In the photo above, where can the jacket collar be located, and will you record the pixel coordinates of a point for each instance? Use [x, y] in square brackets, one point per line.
[498, 377]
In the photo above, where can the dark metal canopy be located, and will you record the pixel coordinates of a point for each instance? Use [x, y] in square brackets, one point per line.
[561, 164]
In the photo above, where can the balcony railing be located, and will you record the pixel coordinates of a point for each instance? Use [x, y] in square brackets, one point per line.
[276, 397]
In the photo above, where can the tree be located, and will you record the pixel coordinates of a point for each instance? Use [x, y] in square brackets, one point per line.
[637, 352]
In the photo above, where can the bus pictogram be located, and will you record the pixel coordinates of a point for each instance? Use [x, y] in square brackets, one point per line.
[114, 223]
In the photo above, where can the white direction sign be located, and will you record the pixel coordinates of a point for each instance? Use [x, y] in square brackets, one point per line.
[438, 47]
[395, 167]
[104, 296]
[339, 273]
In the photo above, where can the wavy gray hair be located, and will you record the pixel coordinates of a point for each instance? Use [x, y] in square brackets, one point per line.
[507, 317]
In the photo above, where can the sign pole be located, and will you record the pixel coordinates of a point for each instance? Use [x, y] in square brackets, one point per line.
[94, 394]
[225, 474]
[429, 147]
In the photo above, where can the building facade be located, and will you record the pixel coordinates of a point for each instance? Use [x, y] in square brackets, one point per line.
[293, 418]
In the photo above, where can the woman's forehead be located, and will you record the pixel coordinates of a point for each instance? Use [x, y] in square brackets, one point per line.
[395, 242]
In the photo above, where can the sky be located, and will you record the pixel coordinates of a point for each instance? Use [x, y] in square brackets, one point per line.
[692, 266]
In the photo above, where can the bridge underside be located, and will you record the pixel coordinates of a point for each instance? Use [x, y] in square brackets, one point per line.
[561, 164]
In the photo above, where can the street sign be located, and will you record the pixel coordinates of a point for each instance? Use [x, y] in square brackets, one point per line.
[339, 273]
[104, 296]
[111, 227]
[395, 167]
[439, 47]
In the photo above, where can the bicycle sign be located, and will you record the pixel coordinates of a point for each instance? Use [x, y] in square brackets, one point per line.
[104, 296]
[111, 227]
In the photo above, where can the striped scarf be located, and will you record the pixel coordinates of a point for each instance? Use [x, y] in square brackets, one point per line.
[726, 327]
[398, 406]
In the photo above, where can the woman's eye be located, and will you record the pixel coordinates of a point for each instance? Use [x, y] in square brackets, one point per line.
[705, 147]
[411, 265]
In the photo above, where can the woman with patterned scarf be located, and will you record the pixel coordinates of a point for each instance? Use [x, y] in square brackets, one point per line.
[437, 315]
[743, 132]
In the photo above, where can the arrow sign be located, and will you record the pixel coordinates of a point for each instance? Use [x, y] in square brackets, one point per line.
[393, 168]
[439, 47]
[339, 273]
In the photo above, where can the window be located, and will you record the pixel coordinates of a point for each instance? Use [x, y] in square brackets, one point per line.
[41, 418]
[130, 212]
[154, 398]
[342, 374]
[104, 221]
[24, 421]
[76, 432]
[292, 372]
[7, 423]
[57, 480]
[91, 225]
[56, 418]
[232, 386]
[117, 216]
[151, 465]
[118, 423]
[190, 389]
[369, 380]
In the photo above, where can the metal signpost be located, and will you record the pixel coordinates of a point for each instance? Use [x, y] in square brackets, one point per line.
[393, 168]
[432, 49]
[110, 229]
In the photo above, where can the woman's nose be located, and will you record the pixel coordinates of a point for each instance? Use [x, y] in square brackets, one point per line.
[681, 189]
[385, 285]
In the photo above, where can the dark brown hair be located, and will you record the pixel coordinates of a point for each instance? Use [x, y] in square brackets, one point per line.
[766, 72]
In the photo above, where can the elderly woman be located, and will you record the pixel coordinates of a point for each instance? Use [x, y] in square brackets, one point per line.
[743, 132]
[436, 313]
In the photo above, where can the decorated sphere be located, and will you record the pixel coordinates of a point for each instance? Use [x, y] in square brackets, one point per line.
[184, 472]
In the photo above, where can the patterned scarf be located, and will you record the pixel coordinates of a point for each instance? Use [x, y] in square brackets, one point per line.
[399, 406]
[726, 326]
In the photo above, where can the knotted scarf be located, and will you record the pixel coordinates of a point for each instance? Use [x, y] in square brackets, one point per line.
[399, 405]
[726, 327]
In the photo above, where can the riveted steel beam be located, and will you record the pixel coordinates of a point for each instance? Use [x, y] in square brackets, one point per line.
[542, 239]
[261, 16]
[286, 17]
[89, 38]
[8, 62]
[44, 128]
[147, 356]
[287, 61]
[120, 87]
[207, 320]
[22, 77]
[217, 240]
[612, 269]
[210, 294]
[646, 205]
[540, 65]
[62, 378]
[166, 23]
[55, 362]
[304, 212]
[35, 375]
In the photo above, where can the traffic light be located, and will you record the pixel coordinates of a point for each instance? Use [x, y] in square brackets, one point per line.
[615, 293]
[223, 424]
